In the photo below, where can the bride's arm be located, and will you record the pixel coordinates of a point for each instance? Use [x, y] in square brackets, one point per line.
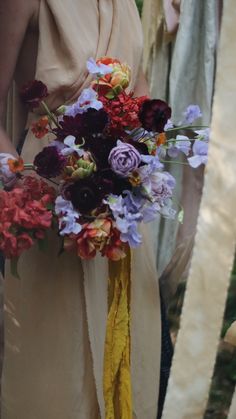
[15, 16]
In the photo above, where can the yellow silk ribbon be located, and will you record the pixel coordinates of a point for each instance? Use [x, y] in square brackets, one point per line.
[117, 375]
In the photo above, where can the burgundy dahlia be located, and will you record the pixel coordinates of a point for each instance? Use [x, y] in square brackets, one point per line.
[49, 162]
[154, 115]
[33, 93]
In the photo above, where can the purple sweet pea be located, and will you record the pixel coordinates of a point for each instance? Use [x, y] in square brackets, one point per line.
[192, 113]
[181, 144]
[129, 232]
[200, 154]
[87, 99]
[124, 159]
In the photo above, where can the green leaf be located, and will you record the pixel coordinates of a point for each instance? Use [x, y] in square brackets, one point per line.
[14, 267]
[1, 185]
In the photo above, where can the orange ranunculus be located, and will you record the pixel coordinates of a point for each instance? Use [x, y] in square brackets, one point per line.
[39, 128]
[113, 83]
[16, 165]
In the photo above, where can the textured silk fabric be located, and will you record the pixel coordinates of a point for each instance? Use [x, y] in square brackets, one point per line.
[55, 316]
[213, 255]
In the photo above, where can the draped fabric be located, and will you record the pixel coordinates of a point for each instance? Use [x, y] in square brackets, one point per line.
[55, 316]
[181, 70]
[214, 248]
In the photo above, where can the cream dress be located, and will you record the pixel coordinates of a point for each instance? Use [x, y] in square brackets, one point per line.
[55, 316]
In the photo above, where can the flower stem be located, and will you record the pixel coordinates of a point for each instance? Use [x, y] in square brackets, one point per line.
[50, 114]
[174, 162]
[186, 127]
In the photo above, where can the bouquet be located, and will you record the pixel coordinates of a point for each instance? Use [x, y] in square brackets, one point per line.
[100, 175]
[102, 172]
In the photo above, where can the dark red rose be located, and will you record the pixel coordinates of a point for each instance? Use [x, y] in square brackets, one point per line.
[33, 93]
[154, 115]
[49, 162]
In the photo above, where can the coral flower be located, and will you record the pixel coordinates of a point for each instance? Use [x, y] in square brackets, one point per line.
[39, 128]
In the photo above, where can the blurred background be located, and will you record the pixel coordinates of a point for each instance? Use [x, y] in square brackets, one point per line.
[169, 38]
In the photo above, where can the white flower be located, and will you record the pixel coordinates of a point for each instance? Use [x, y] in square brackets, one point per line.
[98, 69]
[72, 147]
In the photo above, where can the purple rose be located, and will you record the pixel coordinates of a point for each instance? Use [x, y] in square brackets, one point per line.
[124, 159]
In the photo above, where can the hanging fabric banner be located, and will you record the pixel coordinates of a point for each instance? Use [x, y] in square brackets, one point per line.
[213, 254]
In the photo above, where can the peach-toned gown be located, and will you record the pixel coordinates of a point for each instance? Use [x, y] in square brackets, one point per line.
[55, 316]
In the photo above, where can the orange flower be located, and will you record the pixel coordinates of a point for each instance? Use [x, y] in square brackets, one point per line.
[16, 165]
[161, 139]
[39, 128]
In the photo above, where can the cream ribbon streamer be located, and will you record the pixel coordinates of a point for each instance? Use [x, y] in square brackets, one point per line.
[214, 247]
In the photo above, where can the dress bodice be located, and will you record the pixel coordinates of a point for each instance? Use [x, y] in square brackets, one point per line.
[71, 32]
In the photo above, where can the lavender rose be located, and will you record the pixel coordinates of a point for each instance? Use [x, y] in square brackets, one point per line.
[124, 159]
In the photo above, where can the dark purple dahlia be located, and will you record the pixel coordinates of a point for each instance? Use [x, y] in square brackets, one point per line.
[95, 121]
[154, 115]
[33, 93]
[49, 162]
[87, 194]
[82, 125]
[100, 148]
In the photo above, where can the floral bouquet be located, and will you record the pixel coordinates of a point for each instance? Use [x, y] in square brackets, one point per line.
[105, 159]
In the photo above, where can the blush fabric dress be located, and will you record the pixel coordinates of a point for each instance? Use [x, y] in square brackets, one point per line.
[55, 315]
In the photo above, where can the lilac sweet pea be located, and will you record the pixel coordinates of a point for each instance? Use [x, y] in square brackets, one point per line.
[87, 99]
[192, 113]
[200, 154]
[68, 217]
[126, 211]
[203, 134]
[181, 144]
[98, 69]
[168, 125]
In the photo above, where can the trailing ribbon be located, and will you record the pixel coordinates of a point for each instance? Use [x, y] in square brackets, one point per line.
[117, 375]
